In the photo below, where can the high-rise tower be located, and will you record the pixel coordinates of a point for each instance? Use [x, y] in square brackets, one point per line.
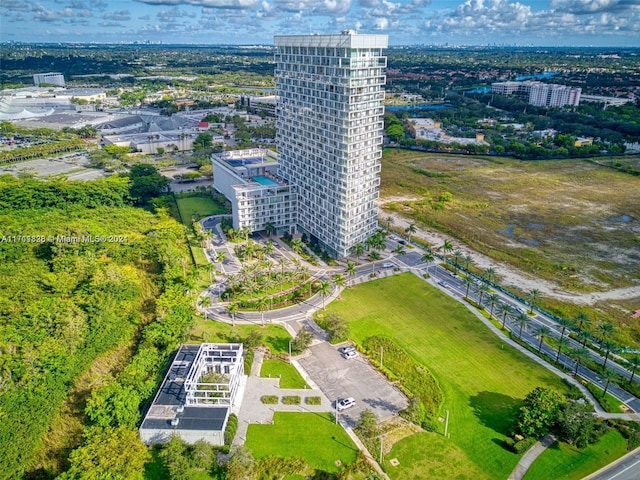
[329, 132]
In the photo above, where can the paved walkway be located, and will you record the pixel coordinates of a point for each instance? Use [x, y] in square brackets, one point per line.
[529, 457]
[252, 410]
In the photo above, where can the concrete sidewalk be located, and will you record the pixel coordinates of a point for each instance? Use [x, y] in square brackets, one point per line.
[529, 457]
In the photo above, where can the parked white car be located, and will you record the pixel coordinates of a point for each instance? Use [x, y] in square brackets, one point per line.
[345, 403]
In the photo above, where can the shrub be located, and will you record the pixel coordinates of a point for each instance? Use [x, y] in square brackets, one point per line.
[291, 400]
[415, 378]
[232, 427]
[524, 445]
[269, 399]
[313, 400]
[248, 361]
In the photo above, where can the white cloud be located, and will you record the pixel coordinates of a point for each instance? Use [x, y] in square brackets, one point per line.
[205, 3]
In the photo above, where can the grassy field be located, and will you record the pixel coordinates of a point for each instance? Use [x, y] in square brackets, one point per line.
[289, 376]
[274, 336]
[198, 207]
[541, 216]
[572, 222]
[483, 380]
[314, 437]
[563, 462]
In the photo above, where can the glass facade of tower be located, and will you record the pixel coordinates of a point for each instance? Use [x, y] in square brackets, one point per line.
[329, 132]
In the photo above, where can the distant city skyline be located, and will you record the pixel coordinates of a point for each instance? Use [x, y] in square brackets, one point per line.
[611, 23]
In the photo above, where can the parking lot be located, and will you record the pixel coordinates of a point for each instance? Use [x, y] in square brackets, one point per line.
[340, 378]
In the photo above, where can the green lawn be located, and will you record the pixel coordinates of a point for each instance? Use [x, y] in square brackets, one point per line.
[289, 376]
[314, 437]
[563, 462]
[198, 206]
[482, 379]
[274, 336]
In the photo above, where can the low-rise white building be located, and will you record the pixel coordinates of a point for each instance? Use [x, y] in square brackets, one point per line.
[258, 196]
[203, 386]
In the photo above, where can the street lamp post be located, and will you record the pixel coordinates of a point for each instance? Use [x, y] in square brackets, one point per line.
[381, 445]
[289, 352]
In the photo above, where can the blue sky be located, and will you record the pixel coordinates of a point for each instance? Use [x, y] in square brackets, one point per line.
[456, 22]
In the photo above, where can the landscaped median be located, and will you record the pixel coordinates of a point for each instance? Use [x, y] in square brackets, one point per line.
[483, 380]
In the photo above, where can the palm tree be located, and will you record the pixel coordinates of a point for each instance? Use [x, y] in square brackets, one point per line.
[490, 275]
[263, 304]
[378, 241]
[505, 309]
[635, 363]
[339, 280]
[270, 228]
[607, 375]
[269, 248]
[468, 282]
[522, 319]
[358, 248]
[457, 256]
[606, 329]
[481, 289]
[468, 260]
[564, 323]
[493, 299]
[351, 269]
[580, 355]
[233, 308]
[427, 257]
[205, 301]
[446, 248]
[542, 332]
[607, 346]
[534, 297]
[211, 268]
[582, 320]
[325, 290]
[562, 342]
[411, 229]
[297, 245]
[399, 250]
[389, 220]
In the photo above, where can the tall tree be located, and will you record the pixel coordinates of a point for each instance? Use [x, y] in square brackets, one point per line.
[562, 342]
[542, 332]
[534, 296]
[411, 230]
[581, 356]
[522, 319]
[325, 290]
[505, 309]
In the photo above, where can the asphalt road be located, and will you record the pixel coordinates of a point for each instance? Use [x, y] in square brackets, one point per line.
[627, 468]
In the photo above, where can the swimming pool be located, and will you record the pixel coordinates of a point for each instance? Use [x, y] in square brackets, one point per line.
[245, 161]
[262, 180]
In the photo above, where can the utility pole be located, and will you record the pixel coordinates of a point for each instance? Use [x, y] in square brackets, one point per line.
[446, 425]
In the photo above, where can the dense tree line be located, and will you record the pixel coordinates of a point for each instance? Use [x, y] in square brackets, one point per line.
[81, 271]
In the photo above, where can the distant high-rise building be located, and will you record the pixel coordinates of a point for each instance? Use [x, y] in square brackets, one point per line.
[50, 78]
[329, 132]
[540, 94]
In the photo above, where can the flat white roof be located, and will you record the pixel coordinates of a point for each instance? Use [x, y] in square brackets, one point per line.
[349, 40]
